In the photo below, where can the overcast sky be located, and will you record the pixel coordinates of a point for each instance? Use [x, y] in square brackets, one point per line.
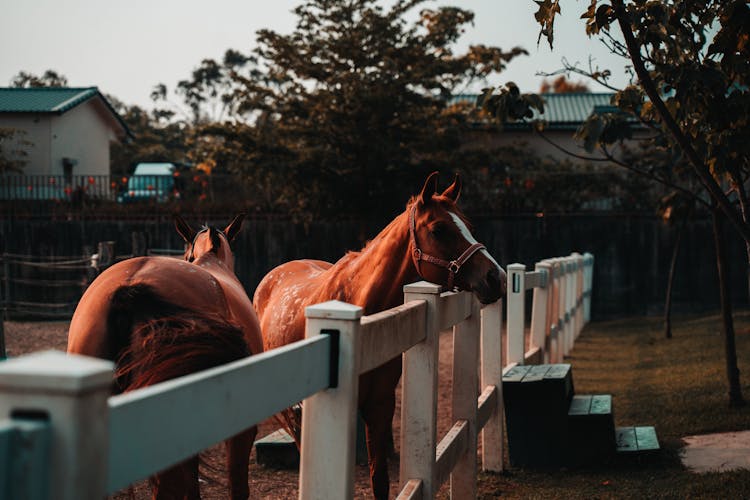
[126, 48]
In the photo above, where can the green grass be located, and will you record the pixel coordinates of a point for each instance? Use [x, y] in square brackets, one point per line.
[677, 385]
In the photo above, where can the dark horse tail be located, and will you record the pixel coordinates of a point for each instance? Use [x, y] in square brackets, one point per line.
[157, 340]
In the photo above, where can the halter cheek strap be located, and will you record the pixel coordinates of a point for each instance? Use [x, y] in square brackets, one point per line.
[418, 255]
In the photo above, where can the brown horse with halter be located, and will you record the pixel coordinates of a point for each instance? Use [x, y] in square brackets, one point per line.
[159, 318]
[430, 240]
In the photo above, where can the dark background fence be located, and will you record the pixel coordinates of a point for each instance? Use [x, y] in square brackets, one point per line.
[632, 252]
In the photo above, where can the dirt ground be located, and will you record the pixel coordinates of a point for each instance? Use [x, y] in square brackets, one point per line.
[26, 337]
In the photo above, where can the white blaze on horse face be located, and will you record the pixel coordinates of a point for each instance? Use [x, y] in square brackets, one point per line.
[470, 239]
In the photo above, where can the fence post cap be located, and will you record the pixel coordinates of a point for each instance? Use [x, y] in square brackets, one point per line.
[55, 371]
[516, 267]
[422, 287]
[333, 309]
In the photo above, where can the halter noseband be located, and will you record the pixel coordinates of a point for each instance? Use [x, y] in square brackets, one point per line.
[418, 255]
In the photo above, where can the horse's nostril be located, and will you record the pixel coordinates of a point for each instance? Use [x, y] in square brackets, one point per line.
[495, 280]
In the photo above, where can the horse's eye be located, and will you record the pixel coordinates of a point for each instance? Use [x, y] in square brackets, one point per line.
[438, 230]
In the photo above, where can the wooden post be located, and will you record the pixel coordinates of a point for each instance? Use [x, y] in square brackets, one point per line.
[539, 310]
[6, 279]
[465, 391]
[579, 294]
[419, 396]
[138, 242]
[71, 392]
[516, 297]
[3, 354]
[588, 281]
[557, 308]
[329, 418]
[492, 374]
[563, 304]
[106, 251]
[570, 295]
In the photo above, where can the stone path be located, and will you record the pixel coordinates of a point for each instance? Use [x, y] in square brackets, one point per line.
[717, 452]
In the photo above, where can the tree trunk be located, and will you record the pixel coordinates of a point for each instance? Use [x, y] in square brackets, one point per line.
[733, 372]
[670, 281]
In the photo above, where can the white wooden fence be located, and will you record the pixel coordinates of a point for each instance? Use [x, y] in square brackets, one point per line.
[57, 421]
[561, 306]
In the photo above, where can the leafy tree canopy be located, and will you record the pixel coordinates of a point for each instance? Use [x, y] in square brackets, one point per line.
[692, 64]
[562, 85]
[50, 78]
[344, 113]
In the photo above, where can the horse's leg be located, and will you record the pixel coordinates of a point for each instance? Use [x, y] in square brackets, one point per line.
[377, 406]
[378, 423]
[178, 482]
[238, 459]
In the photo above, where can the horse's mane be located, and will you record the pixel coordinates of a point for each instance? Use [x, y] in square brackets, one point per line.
[169, 347]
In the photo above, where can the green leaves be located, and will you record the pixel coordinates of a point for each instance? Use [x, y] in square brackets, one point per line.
[507, 103]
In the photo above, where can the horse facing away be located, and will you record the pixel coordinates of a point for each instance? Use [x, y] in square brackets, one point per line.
[430, 240]
[159, 318]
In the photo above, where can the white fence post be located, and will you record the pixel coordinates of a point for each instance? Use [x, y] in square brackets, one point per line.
[465, 392]
[571, 300]
[556, 329]
[329, 417]
[419, 396]
[71, 392]
[539, 306]
[587, 282]
[562, 333]
[516, 315]
[492, 373]
[579, 294]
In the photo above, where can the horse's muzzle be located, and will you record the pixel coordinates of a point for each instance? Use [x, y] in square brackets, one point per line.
[493, 287]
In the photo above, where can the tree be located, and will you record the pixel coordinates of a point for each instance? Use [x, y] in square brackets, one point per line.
[692, 92]
[347, 111]
[156, 138]
[562, 85]
[13, 150]
[50, 78]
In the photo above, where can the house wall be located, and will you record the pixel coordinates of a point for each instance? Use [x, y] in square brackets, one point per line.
[37, 128]
[83, 135]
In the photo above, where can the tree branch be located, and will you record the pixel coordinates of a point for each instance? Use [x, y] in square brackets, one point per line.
[649, 87]
[608, 157]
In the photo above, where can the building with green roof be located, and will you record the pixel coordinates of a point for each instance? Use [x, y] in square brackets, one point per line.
[64, 131]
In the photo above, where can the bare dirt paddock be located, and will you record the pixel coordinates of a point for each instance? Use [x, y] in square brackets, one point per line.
[26, 337]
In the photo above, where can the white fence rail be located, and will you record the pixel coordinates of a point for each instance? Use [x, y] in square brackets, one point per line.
[98, 444]
[561, 306]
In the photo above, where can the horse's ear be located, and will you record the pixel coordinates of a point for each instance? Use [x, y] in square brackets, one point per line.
[184, 229]
[234, 227]
[430, 187]
[454, 190]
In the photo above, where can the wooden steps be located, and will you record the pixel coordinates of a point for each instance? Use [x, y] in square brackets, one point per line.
[591, 429]
[549, 425]
[636, 440]
[536, 399]
[277, 451]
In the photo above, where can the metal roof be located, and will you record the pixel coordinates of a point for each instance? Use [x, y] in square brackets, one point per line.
[43, 99]
[561, 110]
[55, 100]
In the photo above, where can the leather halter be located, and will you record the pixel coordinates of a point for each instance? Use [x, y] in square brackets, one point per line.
[452, 266]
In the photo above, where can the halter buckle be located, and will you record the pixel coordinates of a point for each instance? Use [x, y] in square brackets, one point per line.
[417, 254]
[453, 267]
